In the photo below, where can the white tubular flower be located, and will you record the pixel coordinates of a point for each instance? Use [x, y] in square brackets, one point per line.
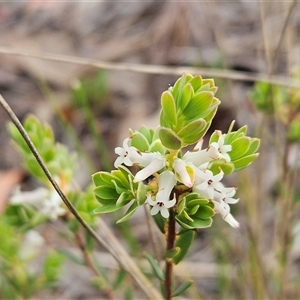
[199, 157]
[45, 200]
[166, 183]
[221, 148]
[224, 210]
[52, 206]
[226, 194]
[181, 168]
[156, 164]
[125, 154]
[207, 183]
[32, 242]
[34, 197]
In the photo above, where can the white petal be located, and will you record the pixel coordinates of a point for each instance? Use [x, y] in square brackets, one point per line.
[180, 167]
[198, 158]
[155, 165]
[166, 183]
[202, 186]
[171, 203]
[34, 197]
[218, 177]
[155, 209]
[232, 221]
[164, 212]
[231, 200]
[150, 201]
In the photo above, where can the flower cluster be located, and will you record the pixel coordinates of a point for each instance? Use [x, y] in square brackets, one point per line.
[192, 170]
[171, 179]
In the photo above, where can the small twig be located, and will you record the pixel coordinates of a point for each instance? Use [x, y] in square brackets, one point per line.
[171, 235]
[129, 266]
[158, 69]
[90, 264]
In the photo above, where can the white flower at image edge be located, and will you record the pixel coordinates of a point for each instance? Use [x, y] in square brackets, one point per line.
[162, 203]
[47, 201]
[32, 243]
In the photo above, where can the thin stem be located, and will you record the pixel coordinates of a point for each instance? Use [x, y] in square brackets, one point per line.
[171, 235]
[158, 69]
[90, 264]
[129, 266]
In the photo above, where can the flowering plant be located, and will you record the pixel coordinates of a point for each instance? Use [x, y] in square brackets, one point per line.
[178, 185]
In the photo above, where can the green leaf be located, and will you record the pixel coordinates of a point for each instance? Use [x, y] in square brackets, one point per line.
[197, 223]
[119, 279]
[160, 222]
[214, 138]
[169, 139]
[108, 208]
[183, 242]
[179, 85]
[204, 212]
[196, 202]
[192, 132]
[147, 133]
[131, 210]
[124, 199]
[182, 288]
[141, 193]
[71, 256]
[139, 141]
[52, 264]
[196, 83]
[181, 205]
[105, 192]
[157, 146]
[230, 137]
[239, 147]
[244, 162]
[254, 145]
[197, 105]
[187, 94]
[172, 252]
[157, 271]
[226, 167]
[98, 178]
[191, 211]
[169, 107]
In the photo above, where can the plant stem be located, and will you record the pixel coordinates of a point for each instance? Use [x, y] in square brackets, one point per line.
[90, 264]
[171, 235]
[130, 266]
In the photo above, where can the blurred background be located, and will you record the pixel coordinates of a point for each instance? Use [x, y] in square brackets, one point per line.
[96, 106]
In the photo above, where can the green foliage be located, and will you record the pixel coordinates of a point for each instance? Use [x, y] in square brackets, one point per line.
[17, 279]
[182, 288]
[56, 157]
[195, 212]
[187, 111]
[157, 271]
[115, 190]
[284, 104]
[183, 243]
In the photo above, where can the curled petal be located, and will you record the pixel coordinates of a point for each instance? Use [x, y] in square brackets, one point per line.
[156, 164]
[181, 169]
[232, 221]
